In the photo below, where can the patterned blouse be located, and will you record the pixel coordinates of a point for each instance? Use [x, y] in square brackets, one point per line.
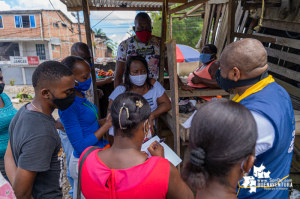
[6, 115]
[130, 47]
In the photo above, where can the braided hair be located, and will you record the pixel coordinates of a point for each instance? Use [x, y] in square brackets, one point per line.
[128, 111]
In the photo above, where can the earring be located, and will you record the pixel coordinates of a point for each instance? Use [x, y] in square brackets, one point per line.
[145, 132]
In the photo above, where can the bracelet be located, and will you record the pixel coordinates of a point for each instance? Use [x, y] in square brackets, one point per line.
[181, 86]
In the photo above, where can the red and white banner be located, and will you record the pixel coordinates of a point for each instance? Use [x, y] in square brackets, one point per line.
[33, 60]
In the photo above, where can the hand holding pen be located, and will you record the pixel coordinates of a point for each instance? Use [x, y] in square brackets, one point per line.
[156, 149]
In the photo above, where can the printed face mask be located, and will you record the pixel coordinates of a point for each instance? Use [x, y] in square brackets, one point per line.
[1, 88]
[138, 80]
[143, 35]
[83, 86]
[64, 103]
[227, 84]
[205, 57]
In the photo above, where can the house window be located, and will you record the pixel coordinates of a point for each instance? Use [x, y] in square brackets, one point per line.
[40, 51]
[53, 47]
[25, 21]
[1, 22]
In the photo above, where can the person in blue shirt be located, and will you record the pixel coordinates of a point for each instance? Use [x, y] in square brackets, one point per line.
[80, 120]
[244, 72]
[7, 112]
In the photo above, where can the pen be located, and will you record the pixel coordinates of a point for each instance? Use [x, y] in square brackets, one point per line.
[160, 141]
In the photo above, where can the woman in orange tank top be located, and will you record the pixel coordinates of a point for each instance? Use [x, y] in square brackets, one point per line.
[123, 171]
[204, 76]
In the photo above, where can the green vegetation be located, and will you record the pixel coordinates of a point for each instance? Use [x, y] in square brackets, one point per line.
[186, 31]
[12, 81]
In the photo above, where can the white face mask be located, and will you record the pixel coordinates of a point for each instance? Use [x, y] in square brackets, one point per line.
[138, 80]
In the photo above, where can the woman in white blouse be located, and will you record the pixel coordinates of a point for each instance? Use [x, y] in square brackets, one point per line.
[137, 80]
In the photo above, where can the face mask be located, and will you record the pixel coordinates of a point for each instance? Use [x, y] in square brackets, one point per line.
[138, 80]
[83, 86]
[205, 57]
[143, 35]
[64, 103]
[1, 88]
[91, 65]
[227, 84]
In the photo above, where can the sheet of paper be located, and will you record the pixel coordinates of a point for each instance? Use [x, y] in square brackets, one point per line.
[169, 153]
[188, 123]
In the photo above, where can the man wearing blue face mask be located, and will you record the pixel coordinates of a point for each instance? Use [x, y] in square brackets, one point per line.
[204, 76]
[244, 72]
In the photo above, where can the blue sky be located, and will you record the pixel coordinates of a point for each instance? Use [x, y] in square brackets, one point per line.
[116, 25]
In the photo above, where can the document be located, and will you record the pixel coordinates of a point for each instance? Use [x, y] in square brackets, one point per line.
[169, 153]
[188, 123]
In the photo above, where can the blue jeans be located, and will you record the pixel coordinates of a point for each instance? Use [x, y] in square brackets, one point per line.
[68, 149]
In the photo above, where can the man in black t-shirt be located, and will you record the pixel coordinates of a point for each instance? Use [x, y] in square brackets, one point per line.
[32, 163]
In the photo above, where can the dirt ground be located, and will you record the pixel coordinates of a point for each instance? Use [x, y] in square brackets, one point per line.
[66, 186]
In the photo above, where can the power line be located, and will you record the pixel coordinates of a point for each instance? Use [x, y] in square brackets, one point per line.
[101, 19]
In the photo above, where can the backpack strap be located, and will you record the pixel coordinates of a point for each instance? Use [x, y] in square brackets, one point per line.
[80, 168]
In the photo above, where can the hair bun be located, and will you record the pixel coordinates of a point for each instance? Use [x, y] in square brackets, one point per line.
[197, 156]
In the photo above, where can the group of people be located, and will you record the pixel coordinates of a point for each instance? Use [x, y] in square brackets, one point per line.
[227, 137]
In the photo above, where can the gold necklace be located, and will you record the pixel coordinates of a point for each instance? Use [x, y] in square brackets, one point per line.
[36, 107]
[139, 47]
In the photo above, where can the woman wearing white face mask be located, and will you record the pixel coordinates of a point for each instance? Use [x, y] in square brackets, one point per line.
[137, 80]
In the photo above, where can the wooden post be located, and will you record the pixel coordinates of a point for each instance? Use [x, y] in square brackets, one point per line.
[170, 26]
[231, 20]
[162, 42]
[88, 33]
[174, 94]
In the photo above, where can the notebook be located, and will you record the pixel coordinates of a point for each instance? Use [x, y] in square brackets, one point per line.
[169, 153]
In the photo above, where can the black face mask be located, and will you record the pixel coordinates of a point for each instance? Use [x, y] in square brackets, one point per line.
[227, 84]
[1, 88]
[64, 103]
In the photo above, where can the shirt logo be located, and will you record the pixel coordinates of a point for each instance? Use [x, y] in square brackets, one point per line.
[261, 179]
[148, 51]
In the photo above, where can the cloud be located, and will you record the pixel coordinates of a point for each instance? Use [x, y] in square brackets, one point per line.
[41, 4]
[116, 17]
[113, 36]
[4, 6]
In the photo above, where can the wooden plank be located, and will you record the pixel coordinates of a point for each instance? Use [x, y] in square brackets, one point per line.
[170, 26]
[174, 17]
[294, 43]
[186, 5]
[291, 74]
[208, 92]
[217, 1]
[205, 24]
[156, 1]
[221, 39]
[283, 55]
[238, 16]
[220, 23]
[231, 21]
[260, 38]
[219, 7]
[194, 9]
[244, 21]
[162, 42]
[88, 35]
[281, 25]
[210, 23]
[94, 8]
[292, 90]
[182, 13]
[172, 65]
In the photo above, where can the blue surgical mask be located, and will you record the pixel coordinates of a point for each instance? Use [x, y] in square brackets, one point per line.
[83, 86]
[205, 57]
[138, 80]
[91, 65]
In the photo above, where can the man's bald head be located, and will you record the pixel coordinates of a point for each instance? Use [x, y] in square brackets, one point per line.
[82, 50]
[248, 55]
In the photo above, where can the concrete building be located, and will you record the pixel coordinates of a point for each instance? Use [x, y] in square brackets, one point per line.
[39, 35]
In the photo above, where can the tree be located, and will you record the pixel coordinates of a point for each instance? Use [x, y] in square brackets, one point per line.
[98, 31]
[113, 46]
[186, 31]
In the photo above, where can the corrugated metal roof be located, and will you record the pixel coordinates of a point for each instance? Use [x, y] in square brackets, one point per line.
[106, 4]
